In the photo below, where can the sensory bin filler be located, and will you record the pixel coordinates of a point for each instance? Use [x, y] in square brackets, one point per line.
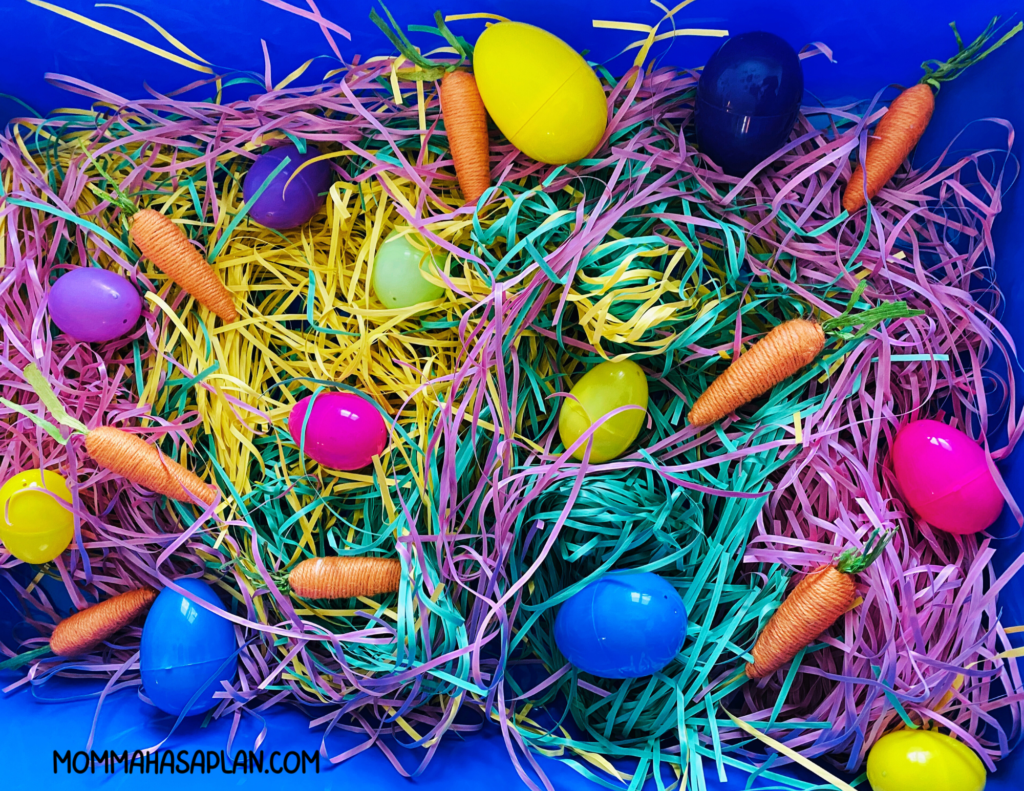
[644, 415]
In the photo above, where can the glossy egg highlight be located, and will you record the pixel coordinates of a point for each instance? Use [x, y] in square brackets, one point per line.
[604, 388]
[186, 650]
[34, 527]
[919, 760]
[94, 305]
[398, 271]
[540, 92]
[343, 431]
[748, 100]
[944, 478]
[622, 626]
[283, 205]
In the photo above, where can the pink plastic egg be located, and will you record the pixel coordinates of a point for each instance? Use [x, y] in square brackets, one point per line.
[944, 478]
[343, 432]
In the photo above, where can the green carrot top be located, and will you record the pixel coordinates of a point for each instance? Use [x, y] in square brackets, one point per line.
[937, 72]
[854, 561]
[429, 70]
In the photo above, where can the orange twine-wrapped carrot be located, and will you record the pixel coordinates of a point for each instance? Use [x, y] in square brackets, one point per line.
[141, 463]
[895, 137]
[817, 602]
[463, 111]
[344, 577]
[904, 123]
[120, 452]
[164, 243]
[465, 120]
[86, 629]
[784, 351]
[170, 250]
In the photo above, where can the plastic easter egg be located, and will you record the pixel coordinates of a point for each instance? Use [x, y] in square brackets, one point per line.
[622, 626]
[602, 389]
[918, 760]
[398, 271]
[93, 305]
[943, 477]
[748, 100]
[343, 431]
[186, 648]
[284, 205]
[540, 92]
[34, 527]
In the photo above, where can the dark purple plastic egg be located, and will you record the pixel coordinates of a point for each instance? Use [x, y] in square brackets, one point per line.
[748, 100]
[283, 205]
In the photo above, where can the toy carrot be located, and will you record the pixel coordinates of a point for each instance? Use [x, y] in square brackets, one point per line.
[118, 451]
[166, 245]
[86, 629]
[138, 461]
[786, 349]
[465, 119]
[344, 577]
[901, 127]
[817, 602]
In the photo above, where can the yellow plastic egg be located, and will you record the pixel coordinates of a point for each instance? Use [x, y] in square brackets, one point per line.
[34, 527]
[604, 388]
[540, 92]
[916, 760]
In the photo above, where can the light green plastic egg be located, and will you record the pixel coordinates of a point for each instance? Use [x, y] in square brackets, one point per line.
[398, 270]
[602, 389]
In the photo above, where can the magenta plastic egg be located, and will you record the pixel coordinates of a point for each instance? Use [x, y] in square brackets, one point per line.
[944, 478]
[343, 431]
[93, 305]
[287, 202]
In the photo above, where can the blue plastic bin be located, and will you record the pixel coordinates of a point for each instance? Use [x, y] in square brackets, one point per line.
[875, 42]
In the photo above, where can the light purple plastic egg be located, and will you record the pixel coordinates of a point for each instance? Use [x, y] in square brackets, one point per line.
[93, 305]
[283, 205]
[343, 432]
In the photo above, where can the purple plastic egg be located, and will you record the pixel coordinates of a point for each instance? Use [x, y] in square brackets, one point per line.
[344, 431]
[94, 305]
[283, 205]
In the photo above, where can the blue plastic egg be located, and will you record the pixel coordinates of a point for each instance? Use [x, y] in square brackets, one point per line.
[186, 648]
[748, 100]
[622, 626]
[283, 205]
